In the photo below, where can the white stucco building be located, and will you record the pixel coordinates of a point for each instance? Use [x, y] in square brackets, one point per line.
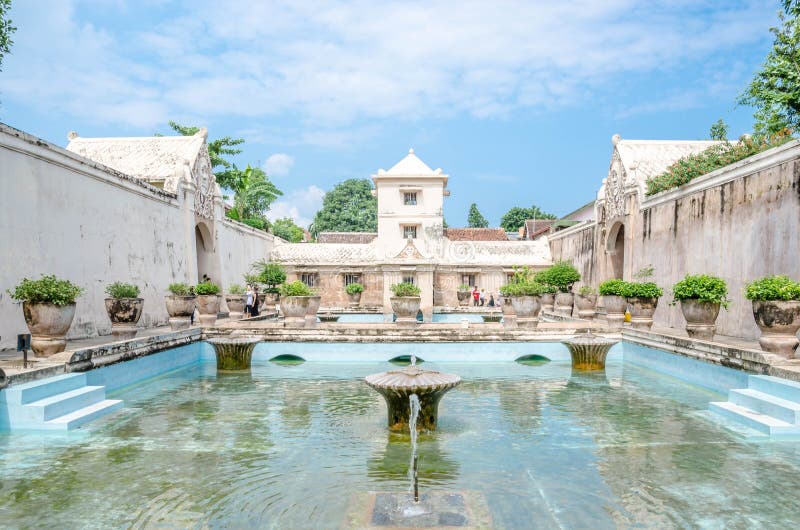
[411, 244]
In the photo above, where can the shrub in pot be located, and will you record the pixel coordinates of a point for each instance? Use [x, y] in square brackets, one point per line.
[776, 309]
[236, 300]
[180, 305]
[124, 308]
[613, 293]
[464, 294]
[643, 300]
[405, 302]
[295, 301]
[207, 302]
[700, 297]
[354, 291]
[524, 295]
[561, 275]
[48, 306]
[585, 301]
[271, 275]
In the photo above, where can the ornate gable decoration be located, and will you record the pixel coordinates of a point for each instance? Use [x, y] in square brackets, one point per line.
[410, 252]
[615, 187]
[206, 184]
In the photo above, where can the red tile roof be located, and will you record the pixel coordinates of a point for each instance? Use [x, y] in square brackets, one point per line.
[537, 227]
[475, 234]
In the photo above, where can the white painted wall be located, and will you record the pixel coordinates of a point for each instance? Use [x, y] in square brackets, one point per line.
[65, 215]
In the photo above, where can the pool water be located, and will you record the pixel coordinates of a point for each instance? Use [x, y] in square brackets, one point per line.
[444, 318]
[291, 446]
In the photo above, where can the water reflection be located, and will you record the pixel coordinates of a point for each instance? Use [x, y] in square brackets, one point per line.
[436, 467]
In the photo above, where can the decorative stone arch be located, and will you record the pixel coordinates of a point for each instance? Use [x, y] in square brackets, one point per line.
[615, 248]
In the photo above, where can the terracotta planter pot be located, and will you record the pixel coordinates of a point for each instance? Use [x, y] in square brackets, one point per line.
[509, 316]
[406, 309]
[463, 298]
[236, 303]
[268, 298]
[615, 310]
[527, 309]
[564, 303]
[586, 305]
[548, 301]
[294, 309]
[642, 310]
[48, 324]
[701, 318]
[778, 321]
[355, 299]
[208, 306]
[313, 308]
[180, 309]
[124, 313]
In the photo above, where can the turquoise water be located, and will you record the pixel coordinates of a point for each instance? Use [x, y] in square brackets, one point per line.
[450, 318]
[293, 446]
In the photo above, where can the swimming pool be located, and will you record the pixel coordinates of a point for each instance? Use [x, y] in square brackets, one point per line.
[291, 446]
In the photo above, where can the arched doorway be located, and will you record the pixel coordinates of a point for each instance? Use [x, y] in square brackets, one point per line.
[204, 244]
[615, 247]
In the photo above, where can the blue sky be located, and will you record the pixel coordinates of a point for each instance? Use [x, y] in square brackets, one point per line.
[516, 101]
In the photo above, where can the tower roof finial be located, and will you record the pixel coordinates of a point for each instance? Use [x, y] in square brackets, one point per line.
[410, 150]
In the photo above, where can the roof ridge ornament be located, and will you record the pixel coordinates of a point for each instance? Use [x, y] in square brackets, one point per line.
[72, 135]
[615, 139]
[410, 150]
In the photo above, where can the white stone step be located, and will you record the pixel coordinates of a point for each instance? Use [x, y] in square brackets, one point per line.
[36, 390]
[782, 409]
[83, 415]
[60, 404]
[776, 386]
[774, 427]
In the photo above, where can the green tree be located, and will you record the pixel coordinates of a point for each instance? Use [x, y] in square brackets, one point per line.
[6, 29]
[253, 195]
[348, 207]
[719, 130]
[225, 171]
[286, 229]
[475, 219]
[775, 89]
[513, 219]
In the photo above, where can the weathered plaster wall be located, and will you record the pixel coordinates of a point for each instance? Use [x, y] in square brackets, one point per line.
[240, 246]
[577, 245]
[65, 215]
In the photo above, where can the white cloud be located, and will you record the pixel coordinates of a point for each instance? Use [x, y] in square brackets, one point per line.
[332, 64]
[300, 205]
[278, 165]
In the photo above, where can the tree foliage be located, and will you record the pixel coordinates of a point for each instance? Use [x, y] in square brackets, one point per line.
[513, 219]
[348, 207]
[475, 219]
[775, 89]
[225, 171]
[253, 195]
[286, 229]
[6, 29]
[719, 130]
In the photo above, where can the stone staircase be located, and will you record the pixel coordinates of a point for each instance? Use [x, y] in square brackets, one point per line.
[57, 403]
[769, 405]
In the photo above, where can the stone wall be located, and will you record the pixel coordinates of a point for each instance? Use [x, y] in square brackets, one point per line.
[740, 223]
[63, 214]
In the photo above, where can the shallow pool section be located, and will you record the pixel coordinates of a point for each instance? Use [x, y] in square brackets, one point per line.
[293, 446]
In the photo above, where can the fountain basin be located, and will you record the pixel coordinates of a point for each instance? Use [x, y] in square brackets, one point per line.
[589, 351]
[234, 354]
[396, 387]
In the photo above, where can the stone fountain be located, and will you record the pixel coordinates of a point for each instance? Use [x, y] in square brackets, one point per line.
[589, 351]
[234, 354]
[397, 386]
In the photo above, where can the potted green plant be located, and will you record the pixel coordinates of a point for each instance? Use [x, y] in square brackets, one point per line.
[561, 275]
[295, 301]
[180, 305]
[642, 297]
[586, 301]
[354, 291]
[524, 294]
[405, 303]
[700, 297]
[48, 306]
[613, 293]
[776, 309]
[272, 275]
[124, 308]
[236, 299]
[208, 301]
[464, 294]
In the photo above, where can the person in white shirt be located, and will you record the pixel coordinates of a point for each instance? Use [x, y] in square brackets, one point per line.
[249, 300]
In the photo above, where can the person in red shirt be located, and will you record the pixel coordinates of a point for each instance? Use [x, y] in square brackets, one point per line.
[476, 295]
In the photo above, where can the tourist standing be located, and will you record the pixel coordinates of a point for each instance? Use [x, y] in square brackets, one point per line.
[254, 307]
[491, 301]
[249, 305]
[482, 297]
[476, 295]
